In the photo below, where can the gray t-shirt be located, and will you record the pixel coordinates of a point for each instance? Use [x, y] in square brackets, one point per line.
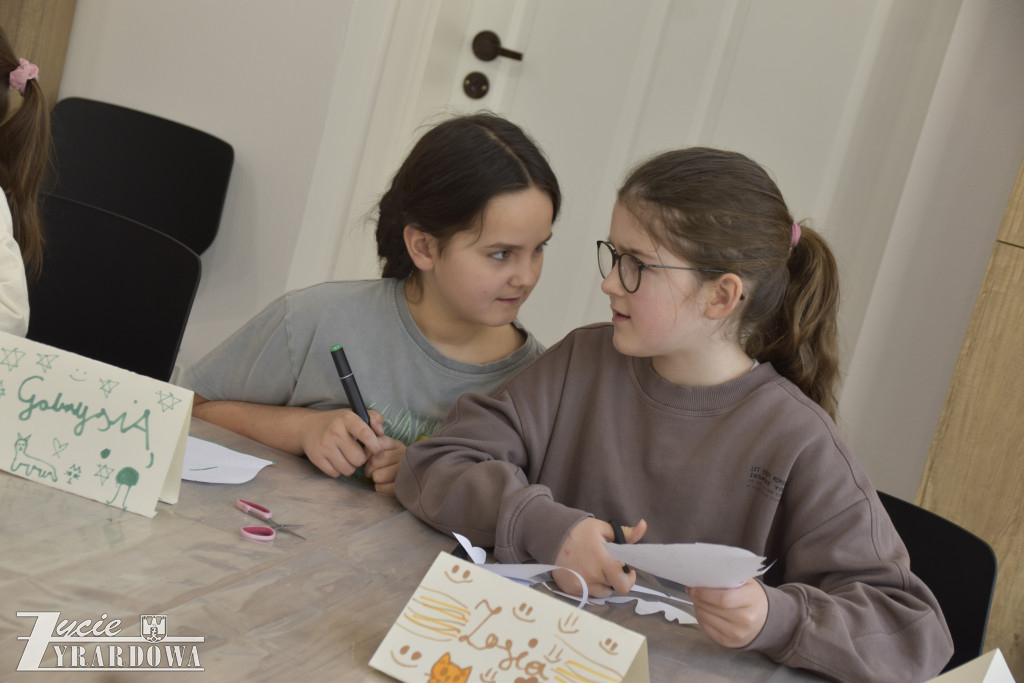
[282, 357]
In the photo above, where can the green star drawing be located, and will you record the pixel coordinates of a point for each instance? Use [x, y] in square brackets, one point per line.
[167, 401]
[12, 357]
[104, 472]
[46, 361]
[107, 386]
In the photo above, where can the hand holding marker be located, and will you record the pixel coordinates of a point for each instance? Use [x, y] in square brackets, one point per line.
[348, 381]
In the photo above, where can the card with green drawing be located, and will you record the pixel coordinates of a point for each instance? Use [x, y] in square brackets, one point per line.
[90, 428]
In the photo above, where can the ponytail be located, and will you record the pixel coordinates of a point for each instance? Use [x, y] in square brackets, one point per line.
[24, 158]
[802, 341]
[395, 259]
[720, 211]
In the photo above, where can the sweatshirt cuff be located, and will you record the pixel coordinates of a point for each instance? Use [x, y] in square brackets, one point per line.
[538, 531]
[780, 629]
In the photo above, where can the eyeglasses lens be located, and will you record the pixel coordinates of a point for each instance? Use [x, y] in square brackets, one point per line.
[605, 258]
[629, 272]
[629, 269]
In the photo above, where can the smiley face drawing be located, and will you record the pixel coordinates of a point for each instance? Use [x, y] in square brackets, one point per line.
[454, 576]
[406, 657]
[568, 624]
[524, 613]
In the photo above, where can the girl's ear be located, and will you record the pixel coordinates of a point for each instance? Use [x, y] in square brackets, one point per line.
[422, 247]
[723, 296]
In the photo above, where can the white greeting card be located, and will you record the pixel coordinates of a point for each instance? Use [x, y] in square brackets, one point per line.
[465, 623]
[90, 428]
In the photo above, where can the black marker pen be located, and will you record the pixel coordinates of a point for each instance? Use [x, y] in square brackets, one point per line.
[348, 381]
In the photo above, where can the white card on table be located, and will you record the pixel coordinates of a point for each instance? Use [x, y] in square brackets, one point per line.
[466, 623]
[90, 428]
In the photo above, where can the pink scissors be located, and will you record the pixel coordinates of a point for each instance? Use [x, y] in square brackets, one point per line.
[262, 534]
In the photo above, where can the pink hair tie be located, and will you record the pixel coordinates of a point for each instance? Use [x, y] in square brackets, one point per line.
[796, 235]
[25, 72]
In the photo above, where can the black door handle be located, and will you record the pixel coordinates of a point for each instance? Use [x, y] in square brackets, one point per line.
[487, 46]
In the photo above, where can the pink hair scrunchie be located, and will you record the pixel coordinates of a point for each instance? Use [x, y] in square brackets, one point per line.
[25, 72]
[796, 235]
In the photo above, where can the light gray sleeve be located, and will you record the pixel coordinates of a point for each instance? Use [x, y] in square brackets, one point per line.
[254, 364]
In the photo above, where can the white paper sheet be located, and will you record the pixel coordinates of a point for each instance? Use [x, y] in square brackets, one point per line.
[212, 463]
[692, 564]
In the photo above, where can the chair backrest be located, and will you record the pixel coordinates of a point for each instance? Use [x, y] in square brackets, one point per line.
[958, 567]
[160, 173]
[112, 289]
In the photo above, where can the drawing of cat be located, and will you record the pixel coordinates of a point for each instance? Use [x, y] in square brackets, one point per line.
[444, 671]
[41, 468]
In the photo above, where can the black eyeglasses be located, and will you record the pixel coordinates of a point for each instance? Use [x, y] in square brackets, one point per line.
[630, 266]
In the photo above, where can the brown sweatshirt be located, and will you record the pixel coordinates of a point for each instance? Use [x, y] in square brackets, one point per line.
[585, 431]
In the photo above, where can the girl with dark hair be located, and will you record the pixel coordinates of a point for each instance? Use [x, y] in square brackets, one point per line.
[702, 413]
[461, 234]
[24, 155]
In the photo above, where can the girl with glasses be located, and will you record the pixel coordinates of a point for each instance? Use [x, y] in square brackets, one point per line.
[703, 412]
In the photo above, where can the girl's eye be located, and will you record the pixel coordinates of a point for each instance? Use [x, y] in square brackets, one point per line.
[542, 247]
[500, 255]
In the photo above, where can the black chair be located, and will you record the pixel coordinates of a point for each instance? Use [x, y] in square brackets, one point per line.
[160, 173]
[112, 289]
[958, 567]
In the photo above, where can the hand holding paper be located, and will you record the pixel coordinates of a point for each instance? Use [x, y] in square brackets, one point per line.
[736, 605]
[732, 617]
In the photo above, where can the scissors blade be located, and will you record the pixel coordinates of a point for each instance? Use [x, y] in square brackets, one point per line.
[285, 527]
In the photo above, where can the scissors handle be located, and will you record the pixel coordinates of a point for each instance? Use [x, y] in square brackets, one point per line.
[254, 509]
[260, 534]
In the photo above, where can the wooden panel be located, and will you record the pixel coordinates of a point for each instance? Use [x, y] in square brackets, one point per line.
[38, 30]
[1012, 229]
[976, 465]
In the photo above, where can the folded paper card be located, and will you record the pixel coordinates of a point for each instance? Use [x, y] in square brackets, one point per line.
[990, 667]
[465, 623]
[90, 428]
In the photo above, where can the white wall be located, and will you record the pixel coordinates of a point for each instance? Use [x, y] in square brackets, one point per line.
[967, 157]
[266, 76]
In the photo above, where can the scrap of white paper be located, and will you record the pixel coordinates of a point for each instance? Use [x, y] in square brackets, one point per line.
[212, 463]
[478, 555]
[526, 574]
[692, 564]
[643, 606]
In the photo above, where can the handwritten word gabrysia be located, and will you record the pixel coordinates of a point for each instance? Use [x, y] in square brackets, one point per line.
[80, 411]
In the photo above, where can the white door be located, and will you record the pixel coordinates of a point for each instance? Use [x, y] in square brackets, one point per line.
[829, 96]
